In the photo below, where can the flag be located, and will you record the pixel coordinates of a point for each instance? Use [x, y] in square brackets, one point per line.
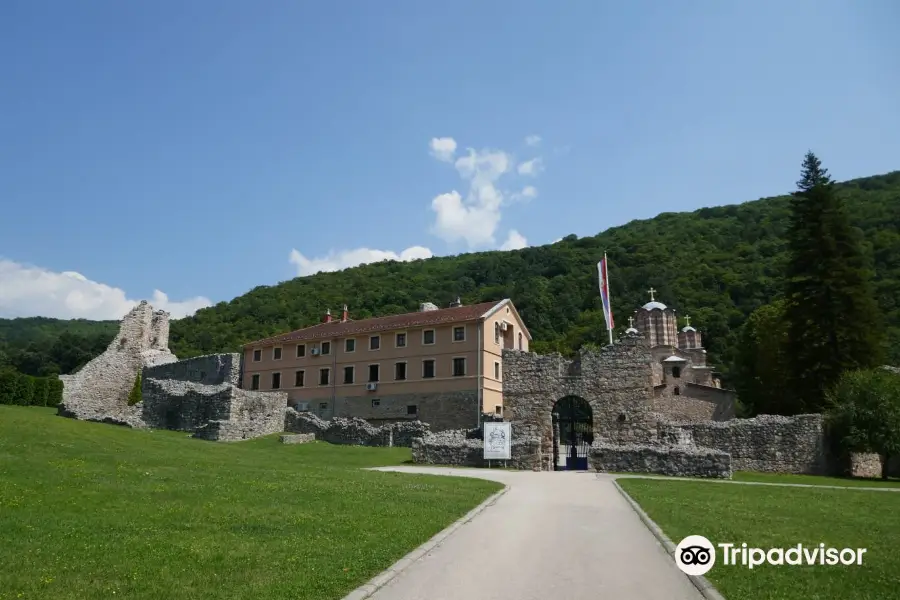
[604, 293]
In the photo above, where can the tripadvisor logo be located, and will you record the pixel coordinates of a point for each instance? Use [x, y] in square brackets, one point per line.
[696, 555]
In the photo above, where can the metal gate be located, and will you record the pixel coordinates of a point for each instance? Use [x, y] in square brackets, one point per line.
[573, 433]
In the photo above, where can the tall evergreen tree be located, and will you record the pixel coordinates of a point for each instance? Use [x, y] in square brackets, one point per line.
[833, 319]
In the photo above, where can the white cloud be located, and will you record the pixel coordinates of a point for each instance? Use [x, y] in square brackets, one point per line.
[443, 148]
[344, 259]
[533, 140]
[531, 167]
[514, 241]
[556, 241]
[474, 218]
[529, 191]
[27, 291]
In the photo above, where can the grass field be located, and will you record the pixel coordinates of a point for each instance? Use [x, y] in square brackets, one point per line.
[781, 517]
[816, 480]
[97, 511]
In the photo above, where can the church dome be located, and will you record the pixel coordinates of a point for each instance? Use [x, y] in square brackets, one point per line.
[654, 305]
[688, 328]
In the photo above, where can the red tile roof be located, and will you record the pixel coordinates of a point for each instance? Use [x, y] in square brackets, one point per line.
[337, 329]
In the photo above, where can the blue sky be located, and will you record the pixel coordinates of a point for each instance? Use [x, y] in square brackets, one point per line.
[206, 147]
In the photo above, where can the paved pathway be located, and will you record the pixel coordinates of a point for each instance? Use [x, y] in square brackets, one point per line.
[563, 535]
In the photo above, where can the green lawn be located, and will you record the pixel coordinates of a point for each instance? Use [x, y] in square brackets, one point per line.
[781, 517]
[815, 480]
[97, 511]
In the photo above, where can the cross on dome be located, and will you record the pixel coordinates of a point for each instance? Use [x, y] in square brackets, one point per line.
[688, 319]
[652, 291]
[631, 321]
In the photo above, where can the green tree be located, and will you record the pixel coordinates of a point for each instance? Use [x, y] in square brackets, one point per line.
[762, 376]
[831, 311]
[41, 388]
[135, 395]
[865, 413]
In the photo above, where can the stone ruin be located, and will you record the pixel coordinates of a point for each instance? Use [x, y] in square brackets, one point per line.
[634, 431]
[354, 431]
[200, 395]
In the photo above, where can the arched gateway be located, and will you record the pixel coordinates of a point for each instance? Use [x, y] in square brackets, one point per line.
[573, 433]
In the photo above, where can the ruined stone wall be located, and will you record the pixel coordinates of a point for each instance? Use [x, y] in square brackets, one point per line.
[767, 443]
[354, 431]
[99, 391]
[455, 448]
[212, 369]
[694, 403]
[616, 381]
[684, 461]
[250, 414]
[442, 411]
[183, 405]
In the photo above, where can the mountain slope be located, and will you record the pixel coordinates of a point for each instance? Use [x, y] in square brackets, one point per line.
[715, 264]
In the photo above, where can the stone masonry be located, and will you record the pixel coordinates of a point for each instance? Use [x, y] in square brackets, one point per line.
[200, 395]
[684, 461]
[443, 411]
[354, 431]
[99, 391]
[767, 443]
[456, 448]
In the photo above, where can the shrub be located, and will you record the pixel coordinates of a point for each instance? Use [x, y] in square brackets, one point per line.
[135, 395]
[41, 387]
[54, 391]
[865, 413]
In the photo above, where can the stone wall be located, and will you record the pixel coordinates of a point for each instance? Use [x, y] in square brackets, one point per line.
[683, 461]
[442, 411]
[869, 464]
[767, 443]
[99, 391]
[212, 369]
[354, 431]
[297, 438]
[616, 381]
[250, 414]
[456, 448]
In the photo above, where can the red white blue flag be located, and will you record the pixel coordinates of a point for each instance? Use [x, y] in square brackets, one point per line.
[604, 293]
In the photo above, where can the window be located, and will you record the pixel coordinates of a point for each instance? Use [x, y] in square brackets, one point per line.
[676, 372]
[497, 371]
[459, 367]
[375, 342]
[257, 355]
[376, 402]
[348, 374]
[428, 337]
[373, 372]
[428, 369]
[254, 382]
[276, 381]
[324, 376]
[301, 350]
[276, 353]
[677, 391]
[520, 340]
[400, 371]
[326, 348]
[350, 345]
[496, 333]
[459, 333]
[412, 409]
[299, 378]
[323, 407]
[401, 340]
[498, 410]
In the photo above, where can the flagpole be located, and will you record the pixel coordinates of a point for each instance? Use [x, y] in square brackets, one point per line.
[609, 299]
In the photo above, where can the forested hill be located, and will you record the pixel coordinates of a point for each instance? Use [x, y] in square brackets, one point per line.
[715, 264]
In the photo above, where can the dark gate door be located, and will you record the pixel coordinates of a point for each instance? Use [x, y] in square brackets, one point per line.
[573, 433]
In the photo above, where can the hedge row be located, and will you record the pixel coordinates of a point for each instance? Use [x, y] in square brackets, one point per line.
[25, 390]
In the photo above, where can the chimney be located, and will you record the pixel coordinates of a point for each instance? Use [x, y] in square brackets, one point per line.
[345, 316]
[456, 303]
[327, 318]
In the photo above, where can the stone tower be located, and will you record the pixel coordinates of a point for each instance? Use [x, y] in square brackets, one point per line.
[688, 337]
[657, 322]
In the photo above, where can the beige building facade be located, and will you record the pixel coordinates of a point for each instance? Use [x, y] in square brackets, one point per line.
[442, 366]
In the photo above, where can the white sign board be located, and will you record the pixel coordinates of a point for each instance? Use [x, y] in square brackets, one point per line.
[497, 438]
